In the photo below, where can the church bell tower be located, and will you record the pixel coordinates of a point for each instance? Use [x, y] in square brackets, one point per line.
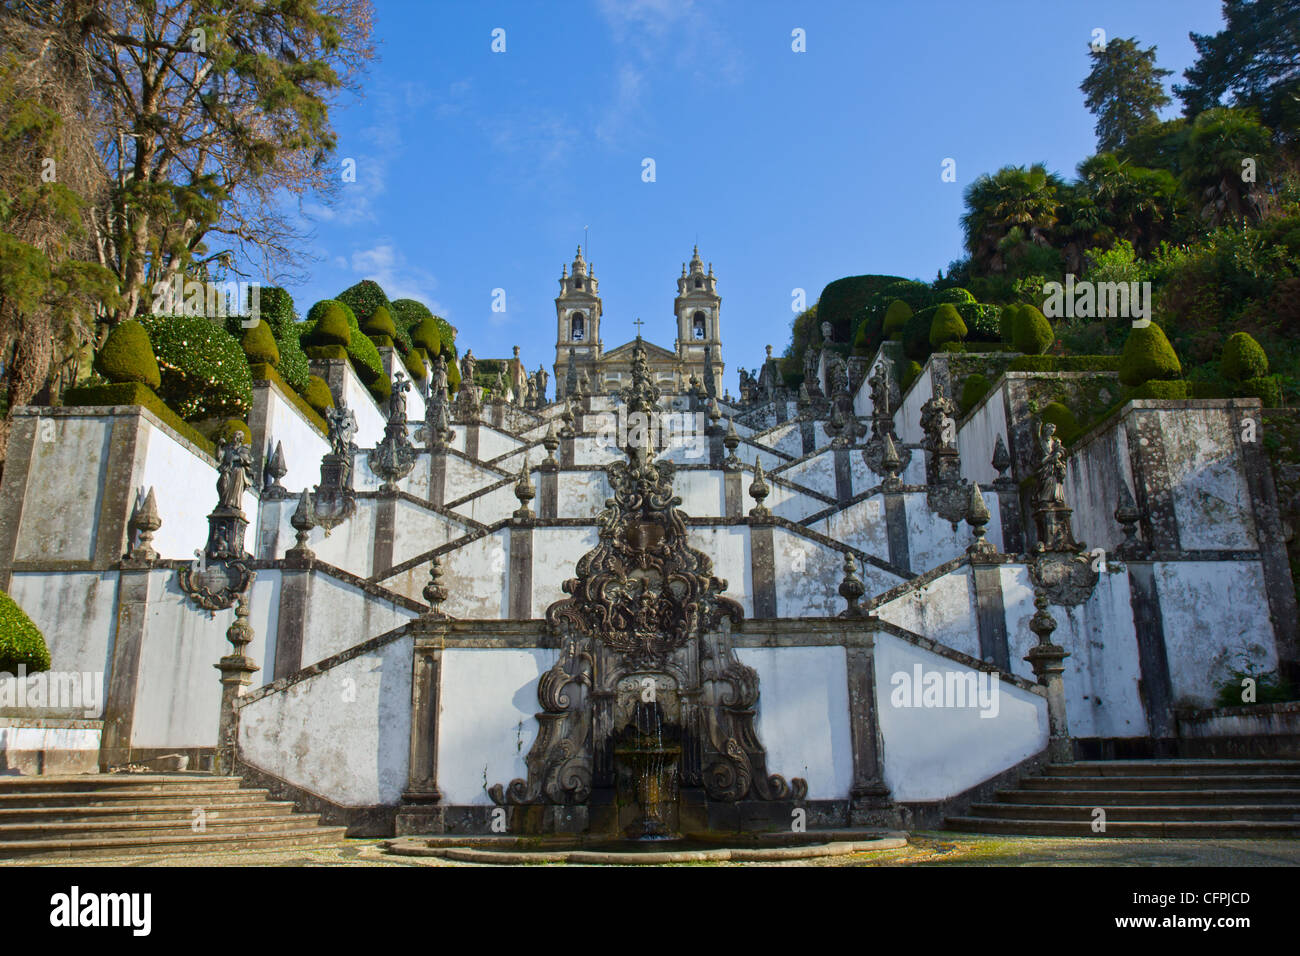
[577, 316]
[697, 306]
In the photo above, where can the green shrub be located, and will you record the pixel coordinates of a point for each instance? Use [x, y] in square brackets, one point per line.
[983, 321]
[1267, 388]
[946, 326]
[365, 358]
[1067, 429]
[843, 303]
[909, 376]
[955, 296]
[294, 367]
[896, 317]
[1064, 363]
[228, 429]
[453, 374]
[1176, 390]
[1031, 332]
[21, 642]
[972, 390]
[320, 308]
[203, 370]
[1007, 322]
[331, 328]
[379, 327]
[1148, 355]
[265, 373]
[317, 394]
[381, 388]
[428, 336]
[363, 299]
[133, 393]
[259, 344]
[1243, 358]
[916, 334]
[415, 365]
[127, 356]
[407, 314]
[275, 307]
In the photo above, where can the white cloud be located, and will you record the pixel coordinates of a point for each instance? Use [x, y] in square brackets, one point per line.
[386, 264]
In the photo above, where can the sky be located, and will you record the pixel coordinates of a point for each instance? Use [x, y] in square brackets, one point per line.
[479, 170]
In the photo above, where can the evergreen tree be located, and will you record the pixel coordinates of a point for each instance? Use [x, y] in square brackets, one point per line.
[1124, 90]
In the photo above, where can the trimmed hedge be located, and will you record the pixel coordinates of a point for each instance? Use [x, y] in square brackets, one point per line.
[1148, 356]
[380, 328]
[275, 307]
[317, 395]
[972, 390]
[227, 430]
[1031, 333]
[203, 369]
[415, 365]
[453, 374]
[1267, 388]
[1067, 429]
[896, 317]
[843, 304]
[1176, 390]
[363, 299]
[331, 327]
[1007, 322]
[127, 356]
[909, 376]
[294, 367]
[428, 336]
[133, 393]
[265, 373]
[356, 346]
[259, 345]
[1243, 358]
[946, 326]
[21, 642]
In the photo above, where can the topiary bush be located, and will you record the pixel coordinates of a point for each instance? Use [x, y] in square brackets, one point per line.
[227, 430]
[955, 296]
[317, 394]
[946, 326]
[972, 390]
[275, 307]
[1007, 322]
[916, 334]
[453, 373]
[428, 336]
[363, 299]
[1067, 429]
[365, 358]
[1267, 388]
[1243, 358]
[909, 376]
[294, 366]
[1031, 333]
[21, 642]
[259, 344]
[415, 365]
[1148, 356]
[380, 327]
[204, 371]
[896, 317]
[127, 356]
[330, 327]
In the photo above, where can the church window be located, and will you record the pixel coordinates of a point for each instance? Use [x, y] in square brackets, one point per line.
[699, 283]
[578, 327]
[699, 325]
[577, 283]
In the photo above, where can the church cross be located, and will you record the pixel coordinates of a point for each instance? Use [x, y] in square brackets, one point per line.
[638, 323]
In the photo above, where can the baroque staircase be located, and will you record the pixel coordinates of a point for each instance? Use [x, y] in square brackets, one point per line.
[1147, 798]
[95, 815]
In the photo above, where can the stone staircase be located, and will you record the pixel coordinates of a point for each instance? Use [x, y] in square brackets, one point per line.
[1148, 798]
[94, 815]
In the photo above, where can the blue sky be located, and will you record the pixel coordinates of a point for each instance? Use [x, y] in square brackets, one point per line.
[479, 170]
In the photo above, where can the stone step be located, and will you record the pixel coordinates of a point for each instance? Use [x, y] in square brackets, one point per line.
[139, 811]
[218, 841]
[176, 797]
[116, 782]
[1223, 829]
[105, 829]
[1149, 797]
[1175, 768]
[1161, 782]
[1279, 813]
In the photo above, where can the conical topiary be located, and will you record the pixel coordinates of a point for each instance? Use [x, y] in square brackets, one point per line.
[427, 336]
[1031, 332]
[332, 327]
[896, 317]
[946, 326]
[127, 356]
[317, 394]
[1148, 356]
[21, 642]
[1243, 358]
[259, 344]
[380, 327]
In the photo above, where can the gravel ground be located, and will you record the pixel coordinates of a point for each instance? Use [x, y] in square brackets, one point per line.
[924, 849]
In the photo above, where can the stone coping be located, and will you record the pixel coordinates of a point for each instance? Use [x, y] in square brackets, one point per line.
[511, 851]
[48, 723]
[1254, 710]
[118, 411]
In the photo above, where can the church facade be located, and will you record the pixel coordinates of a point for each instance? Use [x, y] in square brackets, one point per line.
[580, 355]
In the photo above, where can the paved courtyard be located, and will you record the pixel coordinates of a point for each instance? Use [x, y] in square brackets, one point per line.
[924, 849]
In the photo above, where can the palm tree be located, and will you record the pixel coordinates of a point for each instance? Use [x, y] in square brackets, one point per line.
[1012, 197]
[1135, 203]
[1222, 144]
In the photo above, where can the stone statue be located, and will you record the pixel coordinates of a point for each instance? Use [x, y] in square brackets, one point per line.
[397, 401]
[543, 379]
[879, 383]
[530, 393]
[439, 389]
[1051, 466]
[500, 386]
[467, 368]
[342, 424]
[234, 473]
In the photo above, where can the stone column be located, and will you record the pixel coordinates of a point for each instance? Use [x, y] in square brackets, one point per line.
[237, 670]
[869, 799]
[124, 676]
[1047, 660]
[420, 811]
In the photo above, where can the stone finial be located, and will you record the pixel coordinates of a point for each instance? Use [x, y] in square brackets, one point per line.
[302, 520]
[852, 588]
[525, 492]
[143, 523]
[715, 413]
[240, 632]
[1128, 515]
[272, 472]
[1001, 460]
[758, 490]
[891, 463]
[977, 516]
[550, 441]
[237, 670]
[435, 592]
[566, 416]
[1048, 661]
[731, 441]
